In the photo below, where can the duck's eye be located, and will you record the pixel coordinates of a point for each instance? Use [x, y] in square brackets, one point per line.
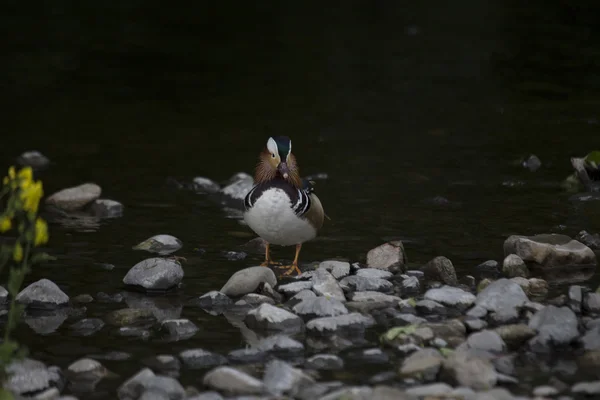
[272, 155]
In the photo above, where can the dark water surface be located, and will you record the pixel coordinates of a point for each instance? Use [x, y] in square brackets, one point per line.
[397, 103]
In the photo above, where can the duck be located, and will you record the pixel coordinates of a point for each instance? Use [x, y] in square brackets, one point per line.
[282, 208]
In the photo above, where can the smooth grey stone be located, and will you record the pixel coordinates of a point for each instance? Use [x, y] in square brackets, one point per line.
[342, 323]
[592, 303]
[486, 340]
[28, 376]
[475, 324]
[281, 346]
[280, 377]
[248, 280]
[423, 364]
[504, 298]
[232, 381]
[339, 269]
[43, 294]
[514, 266]
[86, 369]
[430, 307]
[545, 391]
[81, 299]
[470, 370]
[575, 298]
[270, 318]
[292, 289]
[178, 329]
[374, 273]
[555, 326]
[255, 300]
[86, 326]
[360, 284]
[477, 312]
[106, 208]
[319, 307]
[324, 284]
[33, 159]
[450, 296]
[247, 356]
[75, 198]
[388, 256]
[515, 335]
[303, 295]
[588, 388]
[213, 299]
[591, 339]
[155, 274]
[200, 358]
[324, 362]
[410, 285]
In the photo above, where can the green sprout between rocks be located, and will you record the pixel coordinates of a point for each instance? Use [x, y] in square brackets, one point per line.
[21, 231]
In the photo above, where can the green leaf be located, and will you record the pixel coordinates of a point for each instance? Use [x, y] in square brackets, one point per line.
[593, 157]
[393, 333]
[41, 257]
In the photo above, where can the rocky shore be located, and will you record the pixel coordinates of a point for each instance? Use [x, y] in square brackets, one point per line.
[425, 333]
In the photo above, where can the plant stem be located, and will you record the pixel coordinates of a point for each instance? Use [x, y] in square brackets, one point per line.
[20, 276]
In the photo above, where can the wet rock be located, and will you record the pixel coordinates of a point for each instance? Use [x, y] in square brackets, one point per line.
[43, 294]
[591, 339]
[281, 346]
[360, 284]
[410, 286]
[155, 274]
[33, 159]
[146, 381]
[3, 296]
[165, 363]
[452, 331]
[488, 269]
[232, 381]
[575, 298]
[271, 318]
[133, 331]
[239, 186]
[292, 289]
[86, 369]
[591, 241]
[234, 255]
[107, 298]
[470, 371]
[200, 358]
[177, 329]
[433, 390]
[550, 250]
[213, 299]
[545, 391]
[303, 295]
[281, 378]
[587, 388]
[441, 269]
[247, 356]
[374, 273]
[350, 393]
[555, 326]
[429, 307]
[592, 303]
[474, 324]
[106, 208]
[160, 244]
[348, 323]
[368, 356]
[248, 280]
[324, 284]
[162, 307]
[451, 297]
[86, 327]
[255, 300]
[477, 312]
[205, 185]
[374, 297]
[339, 269]
[532, 163]
[503, 298]
[30, 376]
[328, 362]
[319, 307]
[389, 256]
[130, 316]
[75, 198]
[514, 266]
[486, 340]
[515, 335]
[423, 365]
[538, 288]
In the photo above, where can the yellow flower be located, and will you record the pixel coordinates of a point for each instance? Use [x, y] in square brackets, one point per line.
[11, 173]
[31, 195]
[26, 175]
[18, 252]
[41, 232]
[5, 180]
[5, 224]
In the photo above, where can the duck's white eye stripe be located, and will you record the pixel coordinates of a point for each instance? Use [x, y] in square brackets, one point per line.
[290, 150]
[272, 146]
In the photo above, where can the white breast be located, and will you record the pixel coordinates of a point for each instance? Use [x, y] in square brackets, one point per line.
[273, 219]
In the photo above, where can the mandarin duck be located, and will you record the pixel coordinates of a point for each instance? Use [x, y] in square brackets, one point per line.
[282, 208]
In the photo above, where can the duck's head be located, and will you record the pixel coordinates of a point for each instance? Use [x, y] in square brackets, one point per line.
[277, 160]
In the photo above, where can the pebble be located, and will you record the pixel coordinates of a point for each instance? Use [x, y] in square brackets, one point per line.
[43, 294]
[86, 369]
[592, 303]
[368, 356]
[319, 307]
[205, 185]
[328, 362]
[374, 273]
[324, 284]
[410, 286]
[441, 269]
[239, 186]
[106, 208]
[451, 297]
[360, 284]
[270, 318]
[389, 256]
[155, 274]
[177, 329]
[514, 266]
[200, 358]
[33, 159]
[248, 280]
